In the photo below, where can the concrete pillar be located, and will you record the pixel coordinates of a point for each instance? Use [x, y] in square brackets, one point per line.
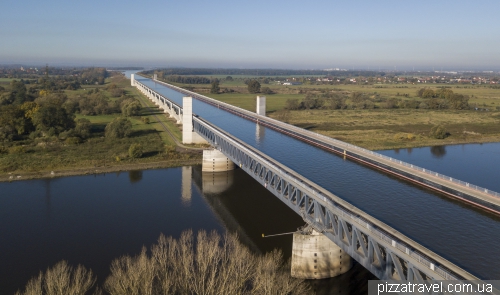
[132, 80]
[155, 77]
[215, 161]
[261, 105]
[314, 256]
[188, 135]
[186, 185]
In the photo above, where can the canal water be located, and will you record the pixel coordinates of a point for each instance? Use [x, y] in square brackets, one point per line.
[93, 219]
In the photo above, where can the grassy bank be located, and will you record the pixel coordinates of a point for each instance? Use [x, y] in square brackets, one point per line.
[387, 129]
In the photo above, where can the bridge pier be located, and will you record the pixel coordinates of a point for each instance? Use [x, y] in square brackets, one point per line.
[261, 105]
[132, 80]
[188, 134]
[215, 161]
[314, 256]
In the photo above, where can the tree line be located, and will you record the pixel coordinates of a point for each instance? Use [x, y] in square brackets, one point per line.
[207, 264]
[442, 99]
[254, 72]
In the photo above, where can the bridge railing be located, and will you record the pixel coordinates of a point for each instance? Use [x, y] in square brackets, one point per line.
[339, 143]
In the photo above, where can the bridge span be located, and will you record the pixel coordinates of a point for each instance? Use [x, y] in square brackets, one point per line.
[382, 249]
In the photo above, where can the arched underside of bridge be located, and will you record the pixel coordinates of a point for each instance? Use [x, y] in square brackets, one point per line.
[382, 250]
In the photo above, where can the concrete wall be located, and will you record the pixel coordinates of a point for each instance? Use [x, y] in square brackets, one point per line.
[215, 161]
[314, 256]
[261, 105]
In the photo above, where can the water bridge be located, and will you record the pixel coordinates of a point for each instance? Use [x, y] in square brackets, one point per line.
[439, 229]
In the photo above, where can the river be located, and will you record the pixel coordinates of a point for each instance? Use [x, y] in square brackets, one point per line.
[93, 219]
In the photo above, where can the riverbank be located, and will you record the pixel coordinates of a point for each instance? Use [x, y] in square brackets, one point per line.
[26, 175]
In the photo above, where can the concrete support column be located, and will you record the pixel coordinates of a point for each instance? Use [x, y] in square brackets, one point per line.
[314, 256]
[132, 79]
[188, 135]
[155, 77]
[261, 105]
[215, 161]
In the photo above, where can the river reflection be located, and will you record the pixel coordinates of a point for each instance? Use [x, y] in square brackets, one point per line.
[91, 220]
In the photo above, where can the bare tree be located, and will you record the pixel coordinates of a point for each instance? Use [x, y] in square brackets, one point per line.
[61, 279]
[131, 275]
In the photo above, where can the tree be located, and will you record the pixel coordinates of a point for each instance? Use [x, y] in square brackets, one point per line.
[292, 104]
[253, 86]
[52, 116]
[266, 90]
[118, 128]
[83, 128]
[132, 108]
[135, 150]
[438, 132]
[215, 86]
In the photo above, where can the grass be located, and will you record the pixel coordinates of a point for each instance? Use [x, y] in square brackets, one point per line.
[387, 129]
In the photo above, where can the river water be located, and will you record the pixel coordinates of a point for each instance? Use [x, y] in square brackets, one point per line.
[93, 219]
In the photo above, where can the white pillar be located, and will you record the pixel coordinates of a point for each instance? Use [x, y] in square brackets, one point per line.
[314, 256]
[155, 77]
[188, 135]
[132, 80]
[261, 105]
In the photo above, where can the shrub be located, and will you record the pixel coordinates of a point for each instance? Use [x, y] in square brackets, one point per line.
[131, 109]
[118, 128]
[73, 140]
[135, 150]
[438, 132]
[83, 127]
[17, 150]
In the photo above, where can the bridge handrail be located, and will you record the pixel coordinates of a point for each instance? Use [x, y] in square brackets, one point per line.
[340, 143]
[374, 229]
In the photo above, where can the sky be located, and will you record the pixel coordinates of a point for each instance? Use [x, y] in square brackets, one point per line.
[321, 34]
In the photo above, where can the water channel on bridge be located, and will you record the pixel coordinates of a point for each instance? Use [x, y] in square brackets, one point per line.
[458, 232]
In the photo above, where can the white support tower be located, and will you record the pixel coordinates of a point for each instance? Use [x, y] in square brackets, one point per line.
[261, 105]
[188, 135]
[132, 79]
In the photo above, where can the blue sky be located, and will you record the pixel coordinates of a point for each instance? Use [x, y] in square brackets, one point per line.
[253, 34]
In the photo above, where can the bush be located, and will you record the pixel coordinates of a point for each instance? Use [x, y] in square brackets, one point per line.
[83, 128]
[135, 150]
[438, 132]
[131, 108]
[118, 128]
[73, 140]
[17, 150]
